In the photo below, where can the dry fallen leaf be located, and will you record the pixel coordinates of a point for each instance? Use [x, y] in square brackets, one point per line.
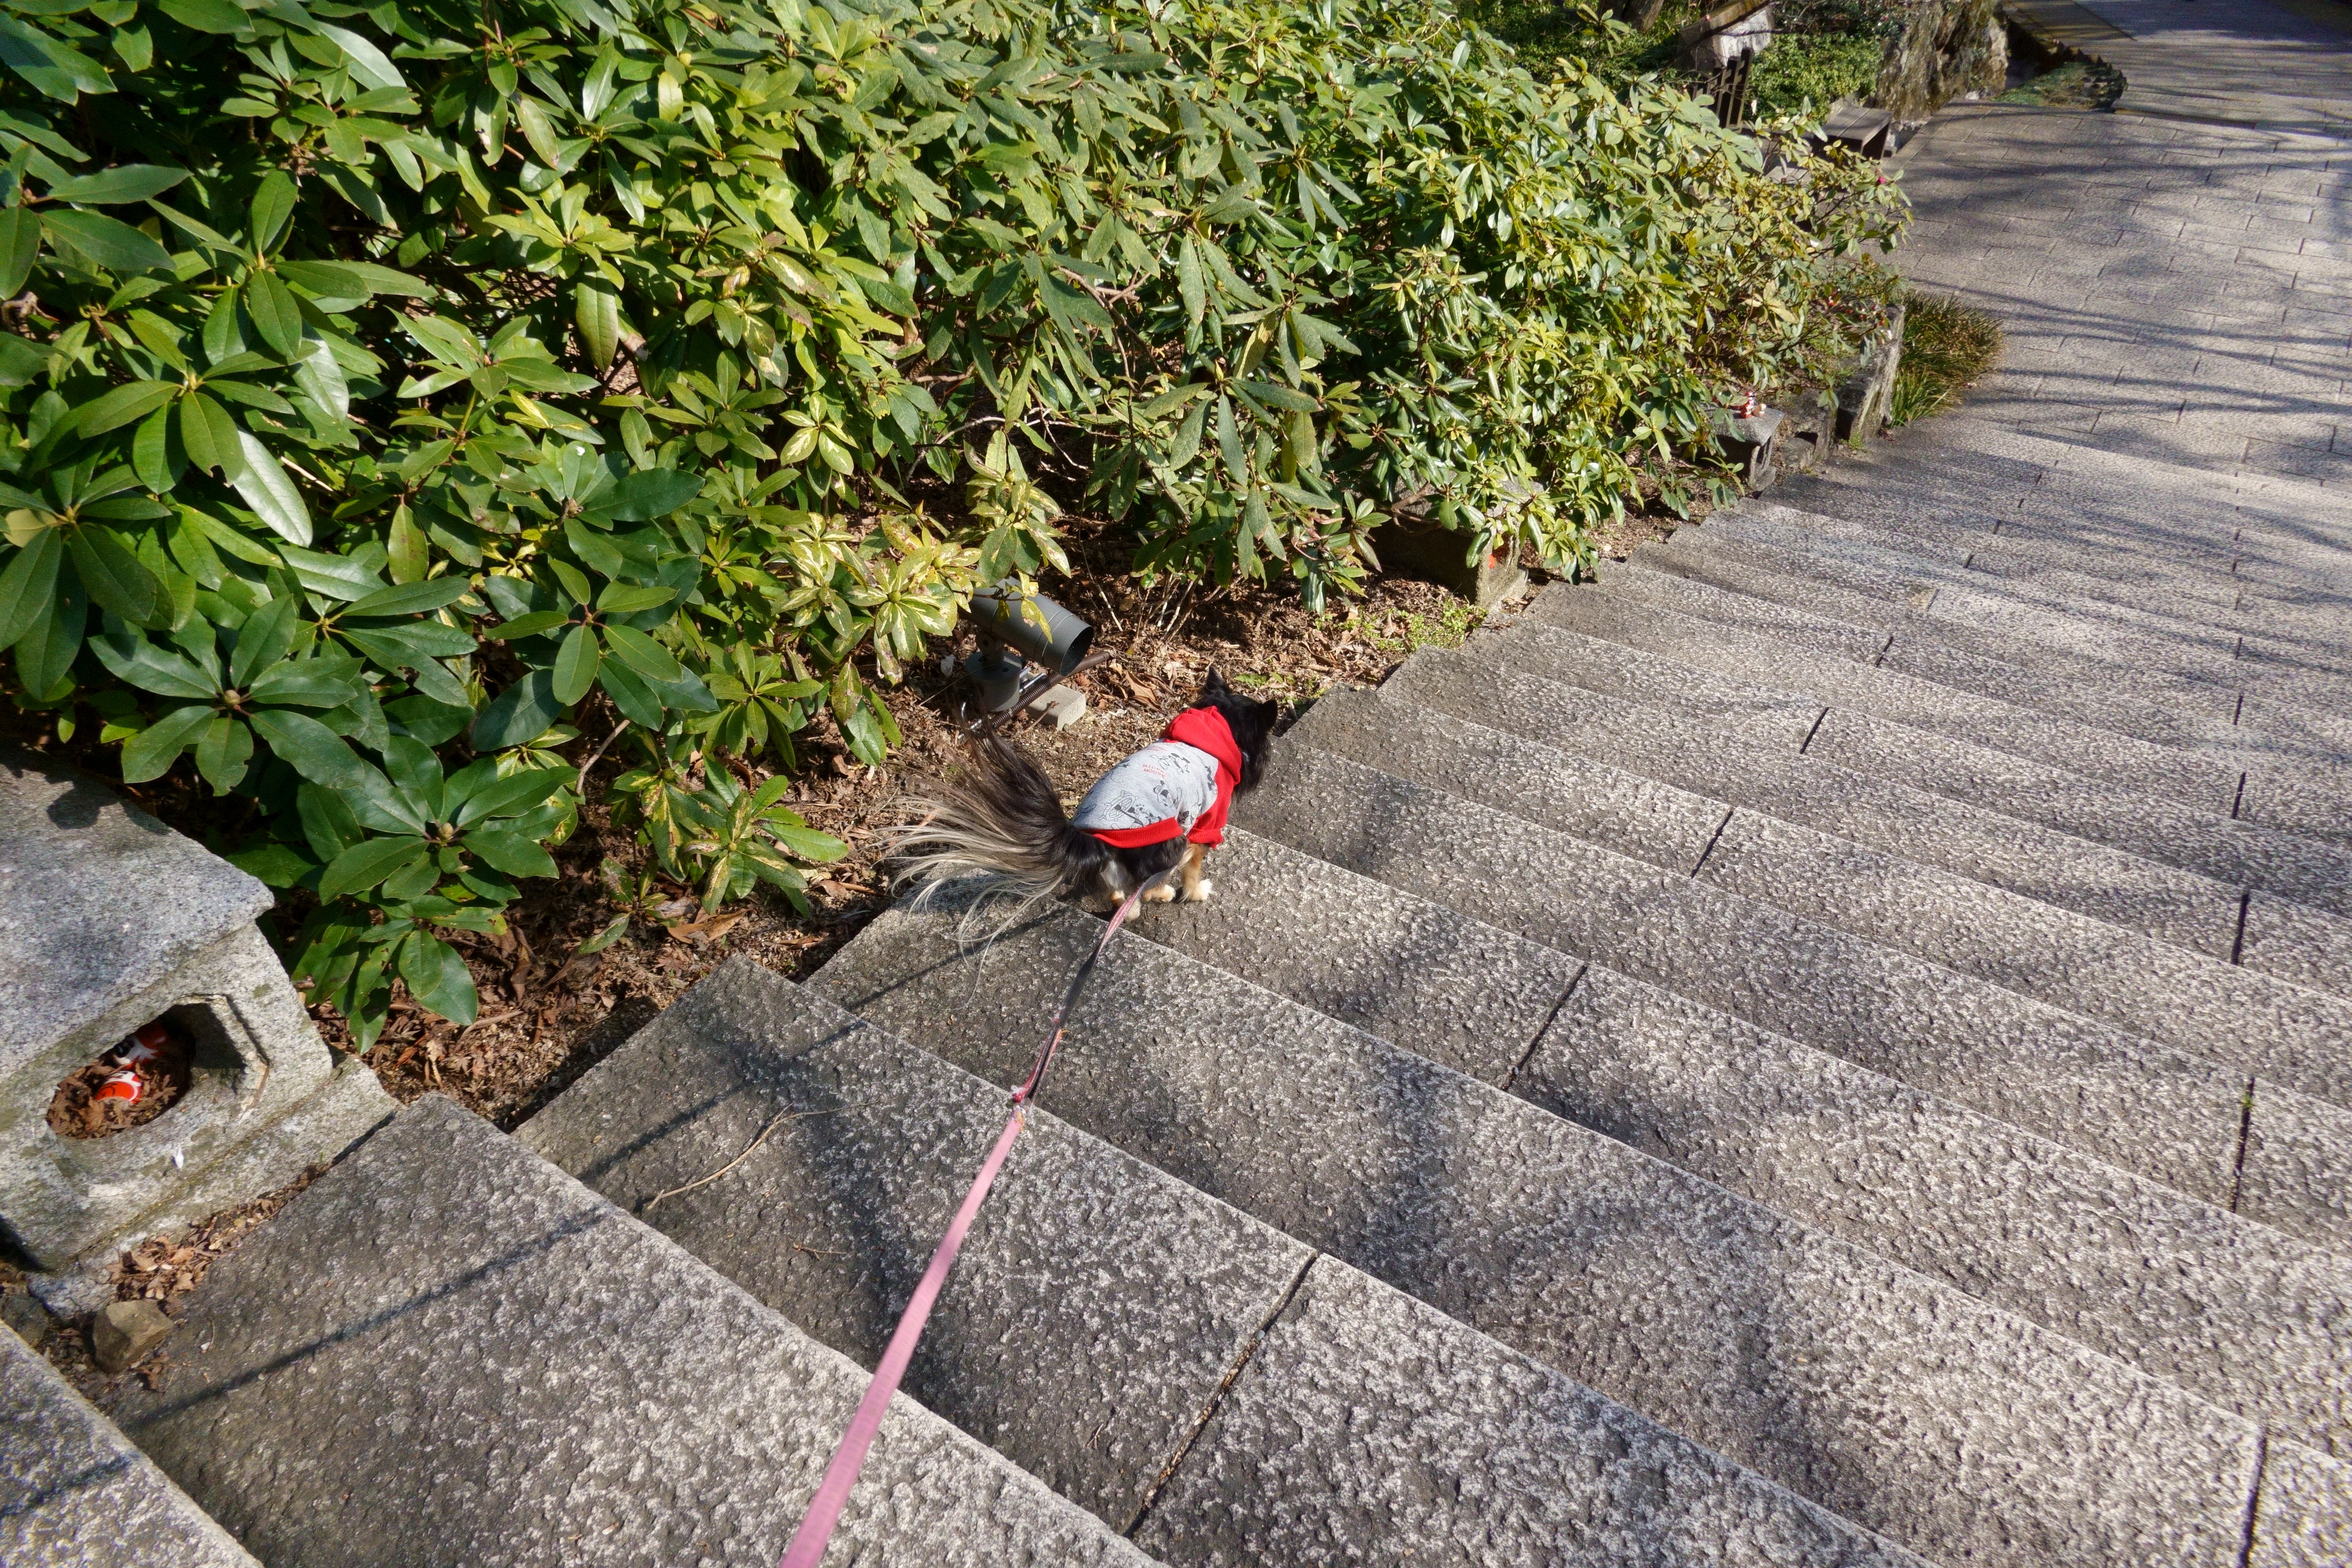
[703, 932]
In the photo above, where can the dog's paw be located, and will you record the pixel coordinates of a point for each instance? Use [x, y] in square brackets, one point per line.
[1159, 895]
[1198, 894]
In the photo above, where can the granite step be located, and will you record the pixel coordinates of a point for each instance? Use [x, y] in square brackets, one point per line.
[74, 1493]
[2192, 591]
[1966, 1434]
[1756, 640]
[2150, 990]
[2248, 1318]
[2039, 649]
[446, 1351]
[2059, 488]
[2241, 854]
[2176, 1117]
[1519, 682]
[2239, 696]
[1219, 1391]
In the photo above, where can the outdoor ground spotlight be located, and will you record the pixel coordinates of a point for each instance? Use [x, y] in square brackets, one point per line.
[1016, 629]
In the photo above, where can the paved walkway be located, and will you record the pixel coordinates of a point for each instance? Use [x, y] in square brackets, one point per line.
[2175, 277]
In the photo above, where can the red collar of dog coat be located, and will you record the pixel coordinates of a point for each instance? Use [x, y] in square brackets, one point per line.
[1204, 730]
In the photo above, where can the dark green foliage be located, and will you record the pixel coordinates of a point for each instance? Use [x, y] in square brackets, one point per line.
[1947, 347]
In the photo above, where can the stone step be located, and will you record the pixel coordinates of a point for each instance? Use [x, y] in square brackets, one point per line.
[2240, 695]
[1756, 640]
[74, 1493]
[2250, 1318]
[2240, 854]
[1519, 681]
[2059, 487]
[2192, 591]
[1933, 611]
[1966, 1434]
[1101, 1311]
[2181, 1118]
[446, 1351]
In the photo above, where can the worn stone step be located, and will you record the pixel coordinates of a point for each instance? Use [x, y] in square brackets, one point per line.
[1519, 682]
[1982, 548]
[1412, 819]
[2018, 649]
[2243, 696]
[74, 1493]
[1100, 1307]
[2240, 854]
[2189, 592]
[446, 1351]
[2139, 983]
[1756, 640]
[1966, 1433]
[2247, 1317]
[2055, 487]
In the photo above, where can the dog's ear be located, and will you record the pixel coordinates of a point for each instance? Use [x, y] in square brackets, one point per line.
[1215, 687]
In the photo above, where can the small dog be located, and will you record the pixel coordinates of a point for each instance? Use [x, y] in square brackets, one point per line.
[1162, 809]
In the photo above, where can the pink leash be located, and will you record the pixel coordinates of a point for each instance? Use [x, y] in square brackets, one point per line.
[825, 1508]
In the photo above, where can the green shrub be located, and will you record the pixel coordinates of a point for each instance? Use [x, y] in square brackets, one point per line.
[1804, 73]
[1946, 348]
[394, 394]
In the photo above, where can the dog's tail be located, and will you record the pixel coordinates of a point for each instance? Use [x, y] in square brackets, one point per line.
[1005, 821]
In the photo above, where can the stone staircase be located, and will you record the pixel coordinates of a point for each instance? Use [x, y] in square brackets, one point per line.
[1832, 1045]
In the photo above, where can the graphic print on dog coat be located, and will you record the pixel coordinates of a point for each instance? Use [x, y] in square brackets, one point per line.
[1179, 787]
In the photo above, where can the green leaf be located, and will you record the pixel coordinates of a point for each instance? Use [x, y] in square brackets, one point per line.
[103, 242]
[411, 598]
[149, 753]
[20, 242]
[437, 978]
[863, 732]
[575, 665]
[313, 750]
[153, 458]
[522, 712]
[368, 63]
[624, 599]
[46, 653]
[211, 437]
[277, 864]
[205, 16]
[222, 753]
[650, 495]
[124, 405]
[604, 939]
[273, 208]
[417, 773]
[369, 862]
[513, 795]
[596, 309]
[112, 577]
[27, 584]
[266, 489]
[264, 638]
[123, 182]
[509, 852]
[531, 625]
[57, 69]
[135, 661]
[308, 683]
[271, 305]
[642, 654]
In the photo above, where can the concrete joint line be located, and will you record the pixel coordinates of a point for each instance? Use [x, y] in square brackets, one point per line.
[2255, 1496]
[1814, 730]
[2237, 713]
[1713, 838]
[2246, 1137]
[1217, 1399]
[2245, 903]
[1550, 1018]
[2237, 805]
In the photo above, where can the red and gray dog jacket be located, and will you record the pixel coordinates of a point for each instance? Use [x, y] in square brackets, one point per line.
[1179, 787]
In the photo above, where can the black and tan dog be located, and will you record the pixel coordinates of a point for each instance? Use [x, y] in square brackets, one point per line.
[1159, 810]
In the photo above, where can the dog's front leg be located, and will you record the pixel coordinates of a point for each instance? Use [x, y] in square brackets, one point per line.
[1197, 888]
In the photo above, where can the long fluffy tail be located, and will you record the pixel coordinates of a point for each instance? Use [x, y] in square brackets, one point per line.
[1005, 821]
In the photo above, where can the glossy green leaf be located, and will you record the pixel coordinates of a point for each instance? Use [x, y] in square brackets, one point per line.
[272, 209]
[411, 598]
[222, 753]
[531, 625]
[315, 751]
[509, 852]
[438, 977]
[369, 862]
[149, 753]
[205, 16]
[522, 712]
[576, 661]
[211, 437]
[123, 406]
[642, 654]
[112, 575]
[26, 584]
[20, 242]
[266, 489]
[123, 182]
[104, 242]
[596, 310]
[275, 314]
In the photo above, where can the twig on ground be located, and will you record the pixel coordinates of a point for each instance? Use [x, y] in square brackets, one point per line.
[778, 1120]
